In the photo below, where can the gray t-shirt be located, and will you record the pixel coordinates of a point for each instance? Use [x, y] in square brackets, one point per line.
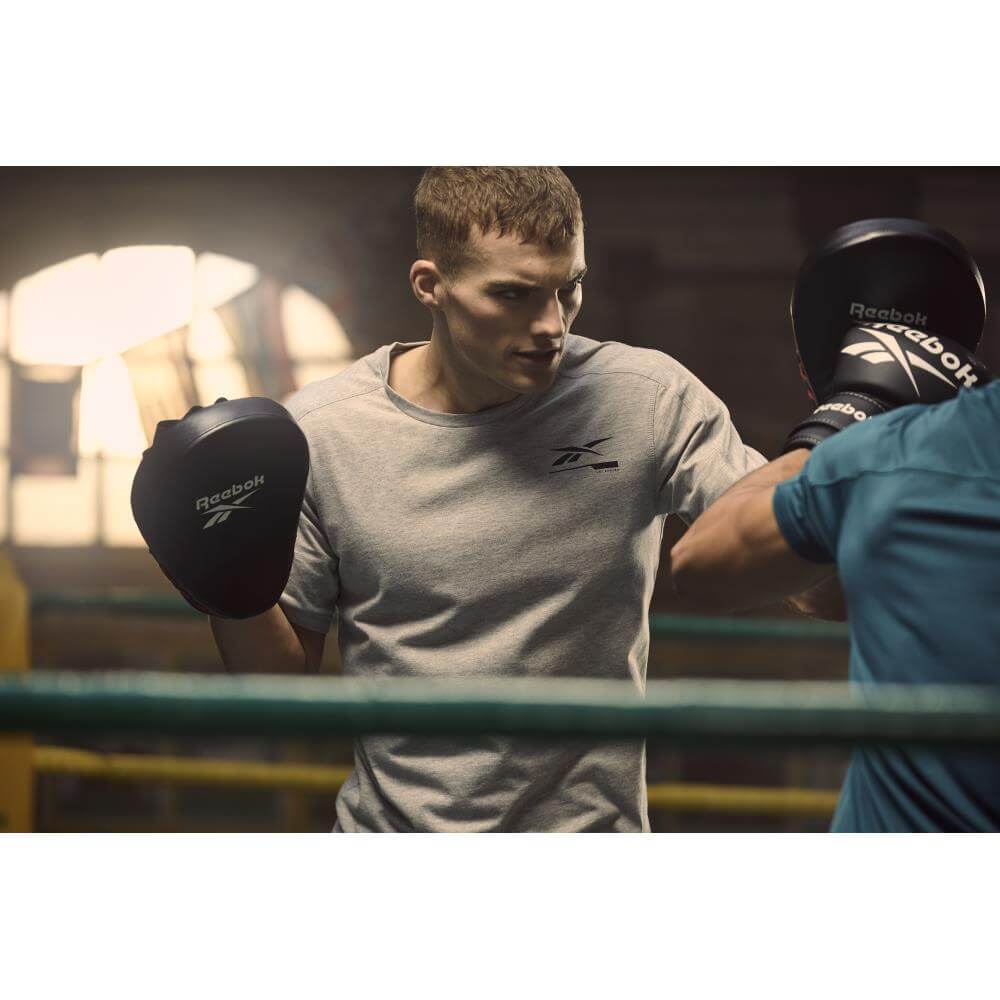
[522, 540]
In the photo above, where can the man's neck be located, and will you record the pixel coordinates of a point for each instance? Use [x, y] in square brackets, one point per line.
[424, 377]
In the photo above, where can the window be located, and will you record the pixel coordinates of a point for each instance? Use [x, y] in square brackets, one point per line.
[97, 349]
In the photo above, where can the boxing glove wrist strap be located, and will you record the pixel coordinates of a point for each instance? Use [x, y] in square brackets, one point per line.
[839, 411]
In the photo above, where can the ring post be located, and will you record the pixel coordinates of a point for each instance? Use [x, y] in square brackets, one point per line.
[16, 770]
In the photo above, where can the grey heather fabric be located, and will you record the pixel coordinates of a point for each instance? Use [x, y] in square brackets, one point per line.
[465, 545]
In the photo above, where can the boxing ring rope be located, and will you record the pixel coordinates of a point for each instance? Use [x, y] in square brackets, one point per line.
[321, 779]
[758, 713]
[315, 778]
[661, 626]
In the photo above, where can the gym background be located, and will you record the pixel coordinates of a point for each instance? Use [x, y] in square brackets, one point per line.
[127, 295]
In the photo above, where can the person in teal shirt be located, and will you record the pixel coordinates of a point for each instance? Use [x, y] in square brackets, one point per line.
[906, 507]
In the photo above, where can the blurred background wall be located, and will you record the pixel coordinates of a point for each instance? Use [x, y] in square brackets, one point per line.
[280, 275]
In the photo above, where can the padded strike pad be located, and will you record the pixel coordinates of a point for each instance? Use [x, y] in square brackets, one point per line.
[217, 499]
[883, 271]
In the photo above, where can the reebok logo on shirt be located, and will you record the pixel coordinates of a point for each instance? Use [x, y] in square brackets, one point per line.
[570, 455]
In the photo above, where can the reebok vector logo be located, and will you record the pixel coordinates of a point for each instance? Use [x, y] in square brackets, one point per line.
[886, 349]
[570, 455]
[219, 506]
[858, 310]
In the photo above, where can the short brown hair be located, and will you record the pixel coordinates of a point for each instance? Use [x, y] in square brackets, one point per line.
[538, 204]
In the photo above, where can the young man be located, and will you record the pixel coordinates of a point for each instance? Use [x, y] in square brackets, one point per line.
[908, 507]
[490, 502]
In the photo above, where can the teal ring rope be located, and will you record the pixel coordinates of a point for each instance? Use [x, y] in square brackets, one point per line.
[672, 711]
[661, 626]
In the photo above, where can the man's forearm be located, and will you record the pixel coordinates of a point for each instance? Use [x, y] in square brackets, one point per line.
[721, 532]
[266, 643]
[734, 557]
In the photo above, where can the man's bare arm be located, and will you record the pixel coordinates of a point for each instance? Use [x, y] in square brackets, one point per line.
[734, 556]
[268, 643]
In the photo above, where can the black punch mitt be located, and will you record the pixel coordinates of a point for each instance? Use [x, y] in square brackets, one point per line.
[899, 271]
[217, 498]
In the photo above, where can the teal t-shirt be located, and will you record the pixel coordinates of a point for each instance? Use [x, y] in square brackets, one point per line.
[908, 506]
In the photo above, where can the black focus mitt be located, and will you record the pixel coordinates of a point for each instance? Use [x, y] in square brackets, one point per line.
[217, 498]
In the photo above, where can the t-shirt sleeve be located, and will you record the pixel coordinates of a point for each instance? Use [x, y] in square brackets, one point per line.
[810, 507]
[310, 596]
[699, 453]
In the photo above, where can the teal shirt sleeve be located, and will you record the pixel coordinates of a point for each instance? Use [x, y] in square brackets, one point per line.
[810, 508]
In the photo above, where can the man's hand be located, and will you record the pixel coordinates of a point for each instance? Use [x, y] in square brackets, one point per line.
[734, 556]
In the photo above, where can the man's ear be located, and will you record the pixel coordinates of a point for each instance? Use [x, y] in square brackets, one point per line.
[427, 283]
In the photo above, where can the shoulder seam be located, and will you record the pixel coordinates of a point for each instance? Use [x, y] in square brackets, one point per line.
[333, 402]
[617, 371]
[685, 403]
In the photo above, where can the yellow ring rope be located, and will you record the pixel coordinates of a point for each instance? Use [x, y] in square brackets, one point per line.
[325, 778]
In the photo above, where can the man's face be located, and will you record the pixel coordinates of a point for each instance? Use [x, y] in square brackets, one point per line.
[510, 308]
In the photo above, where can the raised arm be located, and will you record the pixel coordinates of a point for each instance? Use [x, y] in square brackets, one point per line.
[734, 556]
